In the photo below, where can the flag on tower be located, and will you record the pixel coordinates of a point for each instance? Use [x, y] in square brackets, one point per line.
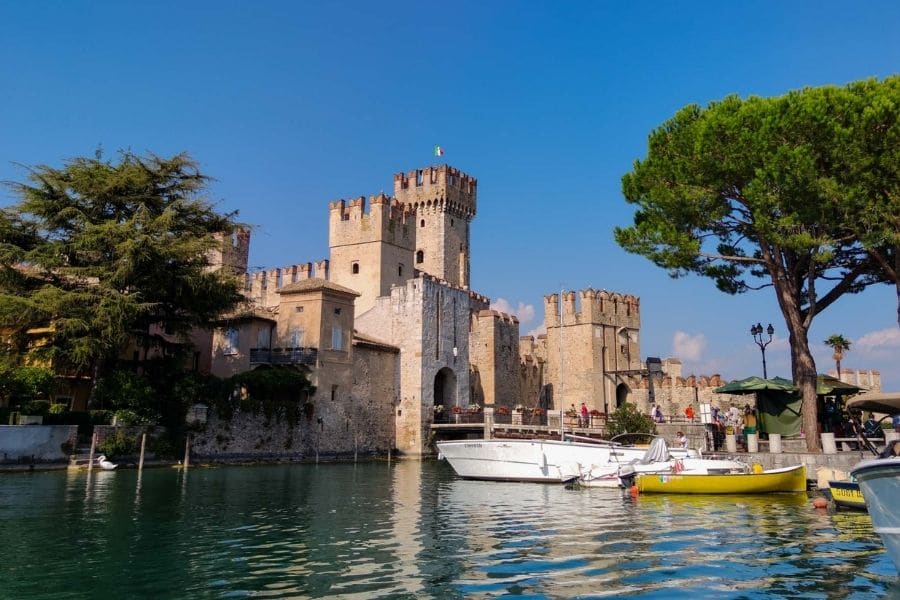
[438, 151]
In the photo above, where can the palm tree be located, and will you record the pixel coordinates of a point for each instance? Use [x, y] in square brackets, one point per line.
[839, 344]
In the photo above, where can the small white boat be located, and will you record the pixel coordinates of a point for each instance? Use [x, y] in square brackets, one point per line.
[105, 464]
[543, 461]
[659, 461]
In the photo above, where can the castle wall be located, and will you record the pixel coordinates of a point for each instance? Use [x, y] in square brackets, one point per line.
[866, 378]
[429, 321]
[532, 363]
[494, 353]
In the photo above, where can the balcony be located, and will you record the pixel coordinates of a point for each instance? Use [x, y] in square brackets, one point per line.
[283, 356]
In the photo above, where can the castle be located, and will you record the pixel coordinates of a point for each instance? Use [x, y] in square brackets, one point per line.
[388, 328]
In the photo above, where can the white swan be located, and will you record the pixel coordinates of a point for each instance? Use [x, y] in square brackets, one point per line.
[105, 464]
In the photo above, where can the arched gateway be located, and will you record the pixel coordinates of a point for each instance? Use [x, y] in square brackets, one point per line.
[445, 388]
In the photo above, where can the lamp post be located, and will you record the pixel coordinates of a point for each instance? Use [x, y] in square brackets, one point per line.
[757, 332]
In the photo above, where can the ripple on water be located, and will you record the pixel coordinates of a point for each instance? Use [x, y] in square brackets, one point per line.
[414, 530]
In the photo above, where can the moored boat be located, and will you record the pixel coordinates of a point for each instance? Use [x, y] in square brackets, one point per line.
[846, 494]
[879, 478]
[788, 479]
[537, 460]
[658, 460]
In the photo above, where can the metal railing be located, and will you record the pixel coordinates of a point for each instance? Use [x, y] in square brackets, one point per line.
[283, 356]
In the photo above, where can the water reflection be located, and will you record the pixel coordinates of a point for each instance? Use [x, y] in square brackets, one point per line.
[413, 530]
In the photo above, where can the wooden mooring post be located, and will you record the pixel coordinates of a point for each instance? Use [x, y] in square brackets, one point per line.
[143, 445]
[187, 451]
[93, 447]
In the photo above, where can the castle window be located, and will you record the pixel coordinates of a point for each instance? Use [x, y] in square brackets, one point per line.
[230, 341]
[451, 223]
[334, 390]
[400, 270]
[296, 337]
[298, 309]
[345, 216]
[354, 268]
[420, 178]
[422, 223]
[337, 338]
[337, 311]
[420, 257]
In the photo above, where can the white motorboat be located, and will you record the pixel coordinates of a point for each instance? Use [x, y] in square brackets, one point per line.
[656, 460]
[879, 478]
[544, 461]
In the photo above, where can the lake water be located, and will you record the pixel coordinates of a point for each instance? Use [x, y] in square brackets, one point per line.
[413, 530]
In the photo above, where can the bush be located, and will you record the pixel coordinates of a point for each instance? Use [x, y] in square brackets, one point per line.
[162, 447]
[58, 409]
[627, 419]
[35, 407]
[101, 417]
[125, 416]
[119, 445]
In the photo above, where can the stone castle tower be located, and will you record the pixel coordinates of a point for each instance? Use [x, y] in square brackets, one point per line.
[592, 348]
[443, 200]
[371, 252]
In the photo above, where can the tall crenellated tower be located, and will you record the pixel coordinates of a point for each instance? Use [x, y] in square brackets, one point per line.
[443, 200]
[370, 252]
[593, 348]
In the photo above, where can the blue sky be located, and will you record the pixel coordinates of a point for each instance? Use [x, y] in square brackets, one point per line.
[292, 104]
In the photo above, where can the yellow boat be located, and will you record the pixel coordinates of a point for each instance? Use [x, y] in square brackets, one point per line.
[788, 479]
[847, 494]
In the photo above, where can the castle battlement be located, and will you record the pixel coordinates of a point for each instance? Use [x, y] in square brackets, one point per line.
[439, 188]
[388, 220]
[496, 315]
[598, 307]
[262, 286]
[474, 296]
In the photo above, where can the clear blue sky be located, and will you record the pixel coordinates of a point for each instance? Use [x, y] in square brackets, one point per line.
[292, 104]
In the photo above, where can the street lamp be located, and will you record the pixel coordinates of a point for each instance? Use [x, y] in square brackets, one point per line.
[757, 332]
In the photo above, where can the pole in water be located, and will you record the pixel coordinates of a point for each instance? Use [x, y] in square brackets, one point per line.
[143, 445]
[91, 455]
[187, 451]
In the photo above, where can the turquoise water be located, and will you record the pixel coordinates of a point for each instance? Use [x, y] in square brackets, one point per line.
[413, 530]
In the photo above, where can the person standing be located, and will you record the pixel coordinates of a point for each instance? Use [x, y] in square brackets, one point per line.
[689, 413]
[584, 415]
[657, 414]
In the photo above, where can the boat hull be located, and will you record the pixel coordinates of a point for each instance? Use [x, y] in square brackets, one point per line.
[879, 480]
[543, 461]
[846, 494]
[790, 479]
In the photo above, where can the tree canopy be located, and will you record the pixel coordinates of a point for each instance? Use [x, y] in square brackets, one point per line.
[767, 192]
[107, 254]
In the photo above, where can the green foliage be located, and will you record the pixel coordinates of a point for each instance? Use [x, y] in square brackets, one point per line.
[35, 407]
[838, 343]
[22, 385]
[129, 393]
[164, 446]
[113, 251]
[119, 445]
[58, 409]
[277, 393]
[627, 419]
